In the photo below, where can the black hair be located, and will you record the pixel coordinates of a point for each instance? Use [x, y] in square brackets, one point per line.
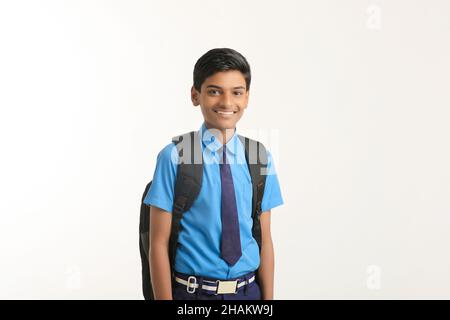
[220, 59]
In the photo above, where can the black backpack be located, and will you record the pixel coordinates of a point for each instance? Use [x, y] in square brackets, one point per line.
[187, 187]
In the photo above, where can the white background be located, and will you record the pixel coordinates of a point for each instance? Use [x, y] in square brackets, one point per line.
[355, 94]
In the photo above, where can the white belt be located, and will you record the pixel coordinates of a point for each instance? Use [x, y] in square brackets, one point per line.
[221, 286]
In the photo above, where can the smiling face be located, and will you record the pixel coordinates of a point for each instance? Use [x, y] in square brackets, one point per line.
[223, 98]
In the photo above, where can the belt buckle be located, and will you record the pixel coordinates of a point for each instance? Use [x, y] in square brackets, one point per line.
[225, 287]
[188, 286]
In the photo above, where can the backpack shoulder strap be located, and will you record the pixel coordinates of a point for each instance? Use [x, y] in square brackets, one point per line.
[190, 170]
[188, 183]
[256, 156]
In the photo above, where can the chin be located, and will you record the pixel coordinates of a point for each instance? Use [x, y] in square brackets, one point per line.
[224, 126]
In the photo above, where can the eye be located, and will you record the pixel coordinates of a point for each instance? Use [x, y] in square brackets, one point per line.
[213, 92]
[238, 93]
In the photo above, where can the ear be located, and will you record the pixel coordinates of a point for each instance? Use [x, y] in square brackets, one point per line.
[195, 96]
[247, 95]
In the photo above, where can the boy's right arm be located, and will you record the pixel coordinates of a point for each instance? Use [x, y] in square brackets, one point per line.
[160, 224]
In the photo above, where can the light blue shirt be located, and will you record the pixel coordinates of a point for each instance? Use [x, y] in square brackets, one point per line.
[200, 235]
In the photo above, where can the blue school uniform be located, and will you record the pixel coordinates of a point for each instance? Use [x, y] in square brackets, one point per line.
[198, 250]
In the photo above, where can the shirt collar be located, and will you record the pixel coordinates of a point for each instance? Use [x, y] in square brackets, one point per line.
[213, 144]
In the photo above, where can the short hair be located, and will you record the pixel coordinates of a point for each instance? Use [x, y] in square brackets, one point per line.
[217, 60]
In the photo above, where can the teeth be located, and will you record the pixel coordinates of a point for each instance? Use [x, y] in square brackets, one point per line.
[223, 112]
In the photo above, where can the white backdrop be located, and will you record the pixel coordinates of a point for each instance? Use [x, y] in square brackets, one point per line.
[350, 96]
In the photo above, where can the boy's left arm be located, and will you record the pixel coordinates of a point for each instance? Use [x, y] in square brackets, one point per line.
[266, 268]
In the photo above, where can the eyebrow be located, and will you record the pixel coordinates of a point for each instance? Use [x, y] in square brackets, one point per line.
[217, 87]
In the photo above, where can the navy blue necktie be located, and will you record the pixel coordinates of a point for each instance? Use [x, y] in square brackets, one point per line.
[231, 241]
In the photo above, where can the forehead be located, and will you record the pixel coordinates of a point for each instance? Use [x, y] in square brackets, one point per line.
[225, 79]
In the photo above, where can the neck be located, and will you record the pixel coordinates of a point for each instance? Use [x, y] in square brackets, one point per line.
[224, 135]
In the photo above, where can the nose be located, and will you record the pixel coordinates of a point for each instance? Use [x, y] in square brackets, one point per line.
[227, 100]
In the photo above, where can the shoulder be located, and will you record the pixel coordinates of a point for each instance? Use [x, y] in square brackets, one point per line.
[168, 154]
[170, 151]
[270, 164]
[253, 148]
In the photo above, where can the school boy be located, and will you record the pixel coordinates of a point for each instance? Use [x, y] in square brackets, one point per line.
[215, 242]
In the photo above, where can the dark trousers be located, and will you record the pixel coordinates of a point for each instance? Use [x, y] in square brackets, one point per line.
[247, 292]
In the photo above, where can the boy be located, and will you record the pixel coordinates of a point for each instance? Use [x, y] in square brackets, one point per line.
[205, 254]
